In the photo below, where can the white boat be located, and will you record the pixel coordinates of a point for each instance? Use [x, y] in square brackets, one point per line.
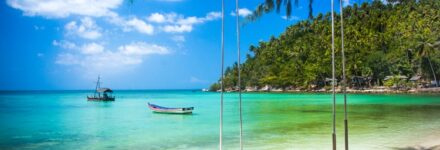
[160, 109]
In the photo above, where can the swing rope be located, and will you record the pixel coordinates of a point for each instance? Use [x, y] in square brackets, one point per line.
[222, 74]
[239, 72]
[333, 76]
[344, 80]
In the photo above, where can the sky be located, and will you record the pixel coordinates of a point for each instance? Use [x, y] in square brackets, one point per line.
[147, 44]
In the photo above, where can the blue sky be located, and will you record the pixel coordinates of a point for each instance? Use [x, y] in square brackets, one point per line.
[150, 44]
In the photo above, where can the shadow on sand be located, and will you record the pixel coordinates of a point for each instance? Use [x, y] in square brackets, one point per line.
[437, 147]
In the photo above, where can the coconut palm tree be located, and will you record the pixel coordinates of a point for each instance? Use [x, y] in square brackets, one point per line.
[424, 49]
[425, 41]
[270, 5]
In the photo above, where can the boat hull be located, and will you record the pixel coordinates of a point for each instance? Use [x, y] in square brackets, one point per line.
[100, 99]
[160, 109]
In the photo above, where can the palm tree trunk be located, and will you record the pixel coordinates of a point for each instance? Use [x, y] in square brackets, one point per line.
[433, 73]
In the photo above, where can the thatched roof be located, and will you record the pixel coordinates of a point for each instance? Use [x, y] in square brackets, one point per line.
[398, 77]
[415, 78]
[104, 90]
[361, 77]
[330, 80]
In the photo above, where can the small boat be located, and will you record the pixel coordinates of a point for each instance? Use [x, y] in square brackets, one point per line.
[105, 92]
[160, 109]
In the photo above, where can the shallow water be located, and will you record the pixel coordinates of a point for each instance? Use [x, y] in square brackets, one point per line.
[66, 120]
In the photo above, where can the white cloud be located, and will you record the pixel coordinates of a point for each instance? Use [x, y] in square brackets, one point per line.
[165, 18]
[190, 20]
[175, 18]
[156, 17]
[243, 12]
[92, 48]
[212, 16]
[291, 18]
[131, 24]
[177, 28]
[96, 58]
[64, 44]
[196, 20]
[65, 8]
[166, 22]
[141, 48]
[86, 29]
[140, 26]
[176, 23]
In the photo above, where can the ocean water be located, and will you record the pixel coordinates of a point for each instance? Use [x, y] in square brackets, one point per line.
[66, 120]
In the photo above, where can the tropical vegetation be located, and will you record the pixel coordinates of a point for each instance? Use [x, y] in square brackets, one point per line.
[401, 37]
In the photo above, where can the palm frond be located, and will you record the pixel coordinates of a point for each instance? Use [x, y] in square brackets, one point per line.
[269, 5]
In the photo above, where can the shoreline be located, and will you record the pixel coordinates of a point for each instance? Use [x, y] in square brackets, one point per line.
[435, 90]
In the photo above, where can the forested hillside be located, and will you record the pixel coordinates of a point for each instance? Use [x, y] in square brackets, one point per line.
[402, 38]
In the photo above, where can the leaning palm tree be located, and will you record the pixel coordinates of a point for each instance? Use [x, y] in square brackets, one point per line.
[270, 5]
[424, 50]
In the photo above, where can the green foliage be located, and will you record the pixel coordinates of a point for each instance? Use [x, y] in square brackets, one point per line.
[396, 82]
[380, 40]
[393, 81]
[215, 87]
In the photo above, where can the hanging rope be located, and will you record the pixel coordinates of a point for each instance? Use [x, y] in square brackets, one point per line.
[333, 78]
[222, 74]
[239, 72]
[344, 80]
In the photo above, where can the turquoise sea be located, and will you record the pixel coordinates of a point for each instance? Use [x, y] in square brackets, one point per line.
[66, 120]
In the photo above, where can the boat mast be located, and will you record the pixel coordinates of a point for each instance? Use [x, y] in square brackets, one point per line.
[97, 86]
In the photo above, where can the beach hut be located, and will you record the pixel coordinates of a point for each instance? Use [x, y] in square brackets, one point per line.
[266, 88]
[360, 82]
[401, 77]
[415, 78]
[251, 88]
[329, 81]
[415, 81]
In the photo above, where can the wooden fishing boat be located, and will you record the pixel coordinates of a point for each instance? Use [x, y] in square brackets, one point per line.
[160, 109]
[101, 94]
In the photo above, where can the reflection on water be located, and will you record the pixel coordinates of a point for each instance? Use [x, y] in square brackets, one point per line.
[65, 120]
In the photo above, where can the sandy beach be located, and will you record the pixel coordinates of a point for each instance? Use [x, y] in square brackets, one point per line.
[430, 142]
